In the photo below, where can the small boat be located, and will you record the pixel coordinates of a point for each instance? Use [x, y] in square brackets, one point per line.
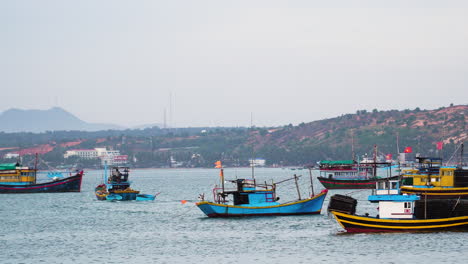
[400, 212]
[116, 187]
[15, 178]
[433, 180]
[252, 199]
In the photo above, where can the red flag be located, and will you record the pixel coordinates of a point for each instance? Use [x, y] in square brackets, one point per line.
[440, 145]
[408, 150]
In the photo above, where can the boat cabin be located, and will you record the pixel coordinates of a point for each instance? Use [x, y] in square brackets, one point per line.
[247, 193]
[392, 204]
[14, 173]
[118, 178]
[430, 173]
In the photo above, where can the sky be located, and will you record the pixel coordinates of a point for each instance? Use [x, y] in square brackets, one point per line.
[231, 63]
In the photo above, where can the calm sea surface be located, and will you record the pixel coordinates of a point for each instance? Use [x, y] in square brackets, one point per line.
[76, 228]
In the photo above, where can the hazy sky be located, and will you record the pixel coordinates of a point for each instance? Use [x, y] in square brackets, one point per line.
[284, 61]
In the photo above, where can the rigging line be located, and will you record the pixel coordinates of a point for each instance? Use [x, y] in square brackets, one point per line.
[356, 191]
[453, 155]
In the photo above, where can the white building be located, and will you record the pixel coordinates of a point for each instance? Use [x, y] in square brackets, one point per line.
[111, 157]
[11, 156]
[82, 153]
[258, 162]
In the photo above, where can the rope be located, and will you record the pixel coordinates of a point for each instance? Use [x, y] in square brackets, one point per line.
[186, 211]
[356, 191]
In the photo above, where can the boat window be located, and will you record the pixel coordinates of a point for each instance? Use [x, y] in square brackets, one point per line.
[380, 185]
[394, 185]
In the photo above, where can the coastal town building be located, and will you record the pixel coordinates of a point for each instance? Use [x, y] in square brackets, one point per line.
[258, 162]
[111, 157]
[11, 156]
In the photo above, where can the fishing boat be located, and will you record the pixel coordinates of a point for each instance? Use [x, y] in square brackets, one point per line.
[116, 187]
[348, 174]
[435, 181]
[15, 178]
[400, 212]
[249, 198]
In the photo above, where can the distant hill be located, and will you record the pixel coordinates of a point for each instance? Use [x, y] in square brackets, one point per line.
[332, 138]
[287, 145]
[54, 119]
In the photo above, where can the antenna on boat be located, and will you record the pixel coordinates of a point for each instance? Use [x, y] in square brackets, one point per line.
[352, 145]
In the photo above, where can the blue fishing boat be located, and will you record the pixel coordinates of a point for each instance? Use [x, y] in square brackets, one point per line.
[252, 199]
[116, 187]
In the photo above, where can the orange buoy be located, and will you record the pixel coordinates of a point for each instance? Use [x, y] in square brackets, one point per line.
[183, 201]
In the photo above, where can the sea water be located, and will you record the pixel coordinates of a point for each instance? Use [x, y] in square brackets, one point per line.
[76, 228]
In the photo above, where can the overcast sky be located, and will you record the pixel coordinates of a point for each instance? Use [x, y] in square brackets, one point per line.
[284, 61]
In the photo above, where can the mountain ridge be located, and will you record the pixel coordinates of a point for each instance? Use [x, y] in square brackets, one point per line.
[53, 119]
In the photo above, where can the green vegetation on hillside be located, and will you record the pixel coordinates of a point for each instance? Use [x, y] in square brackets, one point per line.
[289, 145]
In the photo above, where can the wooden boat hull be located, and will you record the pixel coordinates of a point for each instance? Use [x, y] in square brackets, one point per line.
[69, 184]
[365, 224]
[351, 184]
[307, 206]
[437, 192]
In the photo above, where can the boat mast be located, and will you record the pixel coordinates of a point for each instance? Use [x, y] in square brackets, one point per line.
[375, 162]
[352, 145]
[461, 156]
[311, 181]
[221, 175]
[105, 172]
[35, 168]
[297, 187]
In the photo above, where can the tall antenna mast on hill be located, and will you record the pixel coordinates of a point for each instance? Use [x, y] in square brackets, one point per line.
[170, 108]
[252, 164]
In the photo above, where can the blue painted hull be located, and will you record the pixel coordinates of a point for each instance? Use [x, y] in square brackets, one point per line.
[126, 197]
[307, 206]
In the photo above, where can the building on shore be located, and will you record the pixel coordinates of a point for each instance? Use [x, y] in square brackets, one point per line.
[111, 157]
